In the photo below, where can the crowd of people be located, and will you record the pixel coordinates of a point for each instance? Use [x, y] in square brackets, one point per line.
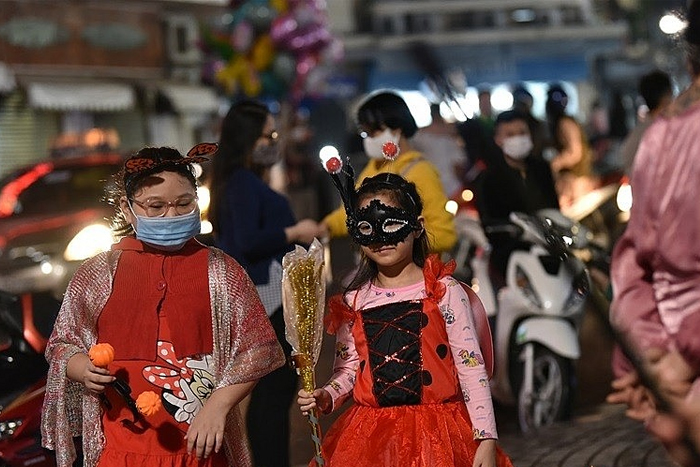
[206, 322]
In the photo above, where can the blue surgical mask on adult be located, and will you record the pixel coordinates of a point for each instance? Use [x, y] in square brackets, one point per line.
[168, 233]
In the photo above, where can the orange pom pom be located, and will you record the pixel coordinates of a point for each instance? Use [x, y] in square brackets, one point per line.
[101, 355]
[148, 403]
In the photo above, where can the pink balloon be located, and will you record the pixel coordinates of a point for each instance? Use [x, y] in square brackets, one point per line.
[282, 28]
[309, 39]
[242, 37]
[305, 64]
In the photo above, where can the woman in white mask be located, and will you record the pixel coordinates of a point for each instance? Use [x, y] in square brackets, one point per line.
[515, 183]
[385, 117]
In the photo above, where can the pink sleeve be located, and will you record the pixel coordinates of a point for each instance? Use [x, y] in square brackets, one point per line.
[345, 366]
[633, 312]
[471, 371]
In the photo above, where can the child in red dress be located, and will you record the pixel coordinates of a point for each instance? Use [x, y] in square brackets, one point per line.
[407, 349]
[185, 323]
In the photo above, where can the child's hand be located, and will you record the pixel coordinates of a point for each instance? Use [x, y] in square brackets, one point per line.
[485, 454]
[82, 370]
[320, 399]
[95, 378]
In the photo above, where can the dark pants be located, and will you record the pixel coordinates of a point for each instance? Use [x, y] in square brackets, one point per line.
[268, 413]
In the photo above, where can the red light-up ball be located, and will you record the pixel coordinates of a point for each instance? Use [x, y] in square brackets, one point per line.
[390, 150]
[333, 165]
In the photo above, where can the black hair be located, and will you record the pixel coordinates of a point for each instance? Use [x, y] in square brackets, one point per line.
[386, 109]
[555, 108]
[521, 96]
[240, 130]
[128, 180]
[405, 195]
[508, 116]
[653, 87]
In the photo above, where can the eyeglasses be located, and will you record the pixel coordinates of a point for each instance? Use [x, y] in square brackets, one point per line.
[156, 207]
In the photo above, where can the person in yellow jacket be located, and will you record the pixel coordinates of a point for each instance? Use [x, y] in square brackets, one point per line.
[384, 117]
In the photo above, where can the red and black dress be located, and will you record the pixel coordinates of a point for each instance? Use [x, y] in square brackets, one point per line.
[410, 358]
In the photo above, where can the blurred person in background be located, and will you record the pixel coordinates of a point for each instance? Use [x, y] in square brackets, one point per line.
[519, 182]
[571, 162]
[656, 90]
[486, 116]
[656, 269]
[440, 143]
[382, 117]
[522, 102]
[256, 225]
[185, 325]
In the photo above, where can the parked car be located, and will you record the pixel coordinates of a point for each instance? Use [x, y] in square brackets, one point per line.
[26, 321]
[53, 217]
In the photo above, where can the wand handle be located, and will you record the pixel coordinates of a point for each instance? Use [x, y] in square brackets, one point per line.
[304, 366]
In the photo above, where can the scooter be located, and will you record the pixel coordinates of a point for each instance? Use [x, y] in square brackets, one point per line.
[536, 316]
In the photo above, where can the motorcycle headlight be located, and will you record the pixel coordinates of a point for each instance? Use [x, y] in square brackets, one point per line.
[93, 239]
[579, 292]
[525, 286]
[8, 428]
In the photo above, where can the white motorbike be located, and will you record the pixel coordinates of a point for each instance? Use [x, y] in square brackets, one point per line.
[537, 314]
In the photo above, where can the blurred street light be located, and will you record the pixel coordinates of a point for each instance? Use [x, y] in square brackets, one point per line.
[671, 24]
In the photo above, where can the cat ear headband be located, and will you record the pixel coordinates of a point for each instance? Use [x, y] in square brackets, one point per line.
[196, 155]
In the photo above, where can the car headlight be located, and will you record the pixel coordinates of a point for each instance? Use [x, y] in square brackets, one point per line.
[93, 239]
[8, 428]
[203, 199]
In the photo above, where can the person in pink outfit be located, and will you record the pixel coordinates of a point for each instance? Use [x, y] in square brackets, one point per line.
[656, 266]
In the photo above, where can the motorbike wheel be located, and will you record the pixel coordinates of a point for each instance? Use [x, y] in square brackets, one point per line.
[550, 400]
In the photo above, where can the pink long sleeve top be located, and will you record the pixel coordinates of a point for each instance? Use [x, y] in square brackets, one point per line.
[656, 264]
[457, 321]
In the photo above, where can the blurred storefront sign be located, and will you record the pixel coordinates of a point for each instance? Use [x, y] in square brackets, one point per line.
[66, 35]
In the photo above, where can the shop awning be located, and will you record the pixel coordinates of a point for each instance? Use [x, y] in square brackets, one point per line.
[91, 96]
[191, 99]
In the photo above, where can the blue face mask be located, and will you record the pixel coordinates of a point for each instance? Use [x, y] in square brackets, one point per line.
[168, 233]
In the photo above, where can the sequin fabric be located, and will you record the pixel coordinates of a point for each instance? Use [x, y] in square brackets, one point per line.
[245, 349]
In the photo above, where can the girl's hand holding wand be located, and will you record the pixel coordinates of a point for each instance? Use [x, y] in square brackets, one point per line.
[320, 399]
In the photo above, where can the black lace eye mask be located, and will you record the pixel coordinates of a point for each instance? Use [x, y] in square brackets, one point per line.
[379, 224]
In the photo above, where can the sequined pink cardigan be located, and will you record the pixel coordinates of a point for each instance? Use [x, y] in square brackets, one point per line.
[656, 264]
[70, 411]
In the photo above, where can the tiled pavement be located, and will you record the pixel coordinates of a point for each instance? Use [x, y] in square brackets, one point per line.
[604, 439]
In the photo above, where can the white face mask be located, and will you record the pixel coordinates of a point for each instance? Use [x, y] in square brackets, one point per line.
[373, 145]
[517, 147]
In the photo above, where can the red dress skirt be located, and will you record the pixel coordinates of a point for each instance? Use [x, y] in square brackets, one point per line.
[409, 410]
[159, 439]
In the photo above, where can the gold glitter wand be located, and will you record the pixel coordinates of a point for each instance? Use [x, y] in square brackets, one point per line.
[303, 300]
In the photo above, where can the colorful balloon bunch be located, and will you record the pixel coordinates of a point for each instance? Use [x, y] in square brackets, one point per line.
[270, 48]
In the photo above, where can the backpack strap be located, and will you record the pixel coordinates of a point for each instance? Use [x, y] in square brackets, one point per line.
[483, 329]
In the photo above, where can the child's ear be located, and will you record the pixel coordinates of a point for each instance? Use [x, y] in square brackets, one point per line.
[126, 210]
